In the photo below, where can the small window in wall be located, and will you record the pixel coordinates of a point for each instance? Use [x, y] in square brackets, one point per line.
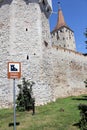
[54, 34]
[51, 36]
[61, 30]
[63, 38]
[64, 45]
[27, 57]
[26, 29]
[57, 36]
[46, 44]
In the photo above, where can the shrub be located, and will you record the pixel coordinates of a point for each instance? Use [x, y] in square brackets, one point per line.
[24, 99]
[85, 83]
[83, 114]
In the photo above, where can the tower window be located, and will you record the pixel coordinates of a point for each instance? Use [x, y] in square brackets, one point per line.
[52, 36]
[57, 36]
[46, 44]
[61, 30]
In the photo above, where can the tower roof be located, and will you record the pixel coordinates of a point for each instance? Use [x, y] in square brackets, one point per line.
[60, 22]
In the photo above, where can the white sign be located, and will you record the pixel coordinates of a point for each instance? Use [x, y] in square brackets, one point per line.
[14, 67]
[14, 70]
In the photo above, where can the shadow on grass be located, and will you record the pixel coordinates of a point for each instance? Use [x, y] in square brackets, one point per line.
[82, 98]
[77, 125]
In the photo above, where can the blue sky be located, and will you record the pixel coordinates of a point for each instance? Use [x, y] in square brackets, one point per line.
[75, 15]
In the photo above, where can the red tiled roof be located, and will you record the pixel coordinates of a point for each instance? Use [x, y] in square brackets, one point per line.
[60, 22]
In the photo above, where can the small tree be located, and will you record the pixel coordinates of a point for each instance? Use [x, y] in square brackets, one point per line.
[83, 114]
[85, 83]
[86, 37]
[24, 98]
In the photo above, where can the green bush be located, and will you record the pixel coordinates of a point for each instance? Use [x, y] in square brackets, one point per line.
[24, 99]
[85, 83]
[83, 114]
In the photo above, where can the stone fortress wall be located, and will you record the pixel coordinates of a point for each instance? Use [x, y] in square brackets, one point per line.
[66, 71]
[24, 31]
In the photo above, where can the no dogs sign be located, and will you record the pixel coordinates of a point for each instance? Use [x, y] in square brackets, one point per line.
[14, 70]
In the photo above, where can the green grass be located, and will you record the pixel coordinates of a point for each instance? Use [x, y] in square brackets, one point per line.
[59, 115]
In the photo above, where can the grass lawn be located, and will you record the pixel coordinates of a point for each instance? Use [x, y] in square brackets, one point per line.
[59, 115]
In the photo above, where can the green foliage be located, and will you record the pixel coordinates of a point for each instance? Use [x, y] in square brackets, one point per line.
[85, 83]
[86, 37]
[85, 33]
[83, 113]
[24, 98]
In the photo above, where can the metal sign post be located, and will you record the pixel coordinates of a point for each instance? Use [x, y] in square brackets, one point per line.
[14, 72]
[14, 101]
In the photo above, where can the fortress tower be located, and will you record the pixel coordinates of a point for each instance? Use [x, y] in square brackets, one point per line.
[62, 35]
[24, 29]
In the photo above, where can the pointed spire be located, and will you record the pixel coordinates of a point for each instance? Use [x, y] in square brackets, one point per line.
[60, 21]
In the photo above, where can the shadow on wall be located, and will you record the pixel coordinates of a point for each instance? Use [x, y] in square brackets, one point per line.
[84, 97]
[31, 1]
[3, 2]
